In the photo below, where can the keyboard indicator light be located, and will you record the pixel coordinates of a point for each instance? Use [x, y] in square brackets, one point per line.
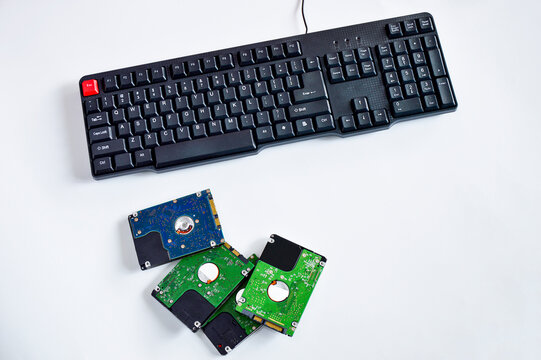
[90, 87]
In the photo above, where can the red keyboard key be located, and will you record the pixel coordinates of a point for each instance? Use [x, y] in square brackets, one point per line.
[90, 87]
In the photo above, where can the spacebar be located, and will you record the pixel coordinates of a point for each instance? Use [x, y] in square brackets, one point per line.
[204, 148]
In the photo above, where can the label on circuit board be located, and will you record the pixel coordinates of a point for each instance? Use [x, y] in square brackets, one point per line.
[175, 229]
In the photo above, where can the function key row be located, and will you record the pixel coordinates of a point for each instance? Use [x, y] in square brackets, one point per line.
[410, 27]
[159, 73]
[268, 53]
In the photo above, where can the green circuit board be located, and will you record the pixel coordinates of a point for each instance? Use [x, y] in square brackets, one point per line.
[229, 305]
[282, 316]
[232, 266]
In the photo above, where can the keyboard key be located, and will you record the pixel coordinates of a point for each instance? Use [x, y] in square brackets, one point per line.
[283, 99]
[150, 110]
[336, 74]
[352, 72]
[391, 78]
[277, 52]
[407, 107]
[284, 131]
[209, 64]
[156, 123]
[101, 133]
[312, 63]
[364, 54]
[95, 120]
[395, 93]
[427, 87]
[262, 54]
[310, 109]
[205, 148]
[126, 81]
[143, 157]
[202, 84]
[263, 118]
[384, 50]
[140, 127]
[124, 130]
[399, 47]
[425, 24]
[141, 78]
[247, 121]
[264, 134]
[183, 133]
[293, 48]
[368, 68]
[199, 131]
[296, 66]
[445, 93]
[231, 124]
[246, 57]
[410, 27]
[411, 90]
[134, 112]
[103, 166]
[430, 42]
[304, 126]
[436, 63]
[158, 74]
[108, 148]
[172, 121]
[225, 61]
[314, 88]
[109, 83]
[415, 44]
[135, 143]
[178, 70]
[194, 67]
[123, 162]
[394, 30]
[215, 127]
[363, 120]
[324, 123]
[151, 140]
[360, 104]
[348, 57]
[332, 59]
[279, 115]
[91, 106]
[380, 117]
[90, 87]
[407, 76]
[431, 103]
[347, 123]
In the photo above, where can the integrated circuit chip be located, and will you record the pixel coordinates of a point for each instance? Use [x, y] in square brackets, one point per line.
[281, 284]
[201, 282]
[226, 328]
[175, 229]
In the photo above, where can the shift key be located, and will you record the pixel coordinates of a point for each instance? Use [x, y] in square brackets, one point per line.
[108, 148]
[308, 110]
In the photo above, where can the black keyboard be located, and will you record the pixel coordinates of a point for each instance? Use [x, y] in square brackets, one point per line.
[234, 102]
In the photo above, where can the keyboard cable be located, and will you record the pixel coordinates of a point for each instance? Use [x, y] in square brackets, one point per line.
[303, 17]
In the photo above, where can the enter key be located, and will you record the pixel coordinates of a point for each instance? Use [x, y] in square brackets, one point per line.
[314, 88]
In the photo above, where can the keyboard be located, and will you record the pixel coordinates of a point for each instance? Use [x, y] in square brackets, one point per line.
[234, 102]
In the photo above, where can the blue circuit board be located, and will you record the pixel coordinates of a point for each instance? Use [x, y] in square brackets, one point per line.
[175, 229]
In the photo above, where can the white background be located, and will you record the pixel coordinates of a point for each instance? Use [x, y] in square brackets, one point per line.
[432, 228]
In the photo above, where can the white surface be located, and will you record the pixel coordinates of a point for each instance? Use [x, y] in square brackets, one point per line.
[432, 228]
